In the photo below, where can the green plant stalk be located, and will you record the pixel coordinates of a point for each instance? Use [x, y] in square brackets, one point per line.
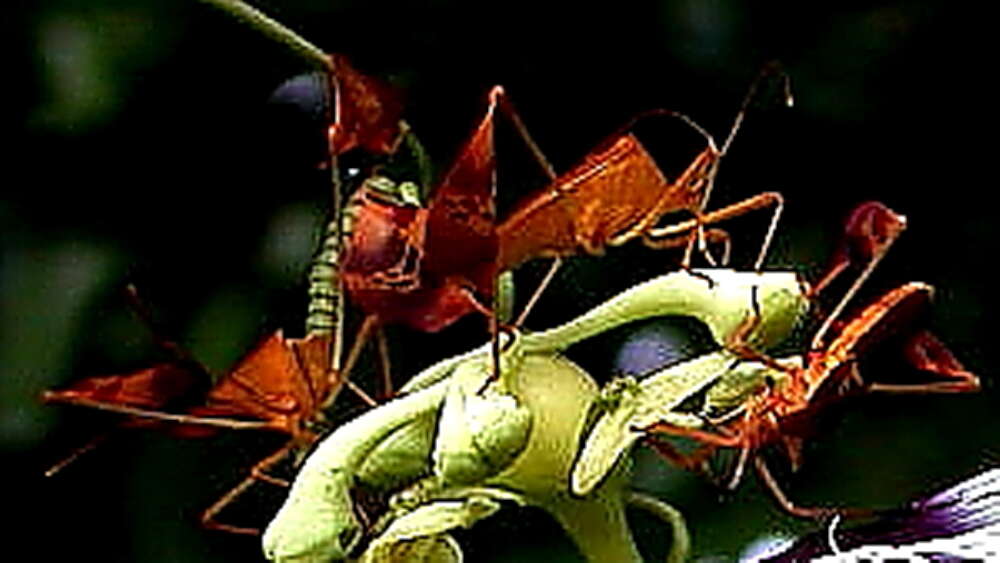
[722, 299]
[276, 31]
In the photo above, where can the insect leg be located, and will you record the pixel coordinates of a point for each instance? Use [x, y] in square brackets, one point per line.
[231, 424]
[369, 325]
[926, 353]
[75, 454]
[145, 314]
[741, 463]
[556, 263]
[257, 473]
[759, 201]
[695, 461]
[499, 95]
[711, 236]
[800, 511]
[383, 352]
[870, 230]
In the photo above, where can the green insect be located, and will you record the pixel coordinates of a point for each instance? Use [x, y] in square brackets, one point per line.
[628, 406]
[399, 182]
[520, 432]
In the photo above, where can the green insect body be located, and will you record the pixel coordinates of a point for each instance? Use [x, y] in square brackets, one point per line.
[409, 161]
[726, 380]
[638, 405]
[324, 284]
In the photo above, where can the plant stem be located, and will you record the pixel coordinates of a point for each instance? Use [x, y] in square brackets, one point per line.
[276, 31]
[597, 526]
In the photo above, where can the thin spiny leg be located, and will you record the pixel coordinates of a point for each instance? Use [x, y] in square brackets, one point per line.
[803, 512]
[231, 424]
[370, 323]
[258, 470]
[779, 495]
[145, 314]
[365, 397]
[832, 317]
[695, 461]
[508, 108]
[383, 352]
[538, 291]
[712, 236]
[738, 470]
[759, 201]
[75, 454]
[779, 206]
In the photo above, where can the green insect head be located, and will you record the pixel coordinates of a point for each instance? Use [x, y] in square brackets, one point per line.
[401, 194]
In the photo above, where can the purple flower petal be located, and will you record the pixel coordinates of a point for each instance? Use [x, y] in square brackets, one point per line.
[966, 507]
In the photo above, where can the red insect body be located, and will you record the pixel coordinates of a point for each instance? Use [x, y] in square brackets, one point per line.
[426, 266]
[615, 194]
[781, 414]
[366, 111]
[284, 382]
[281, 385]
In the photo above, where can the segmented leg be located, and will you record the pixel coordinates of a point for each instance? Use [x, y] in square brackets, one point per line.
[801, 511]
[759, 201]
[257, 473]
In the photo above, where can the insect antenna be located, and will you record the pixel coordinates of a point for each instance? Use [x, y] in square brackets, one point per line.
[715, 154]
[77, 453]
[769, 69]
[500, 97]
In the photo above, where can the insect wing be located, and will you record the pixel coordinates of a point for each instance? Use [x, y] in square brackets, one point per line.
[926, 352]
[461, 223]
[874, 323]
[613, 188]
[150, 388]
[369, 111]
[270, 383]
[640, 406]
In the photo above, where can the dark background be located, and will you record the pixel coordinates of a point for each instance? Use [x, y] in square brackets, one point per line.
[142, 150]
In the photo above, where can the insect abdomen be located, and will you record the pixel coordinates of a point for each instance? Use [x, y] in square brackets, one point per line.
[324, 284]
